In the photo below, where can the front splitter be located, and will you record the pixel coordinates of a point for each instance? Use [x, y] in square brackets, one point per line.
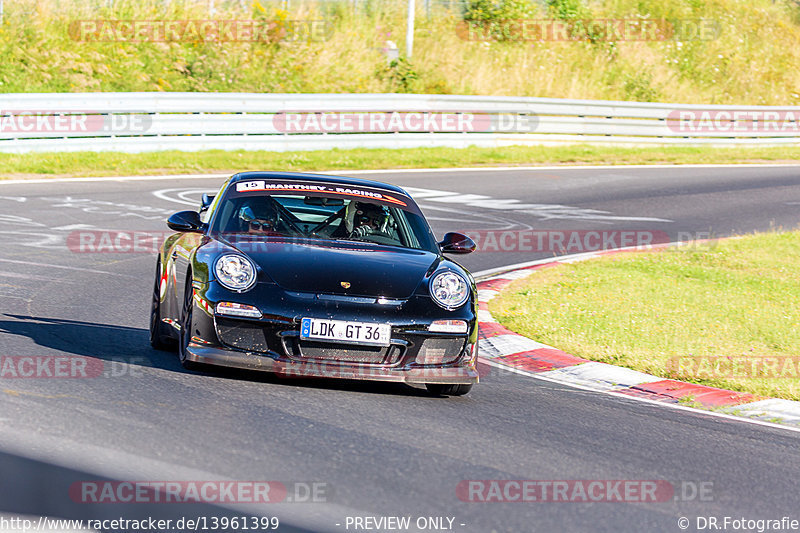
[330, 369]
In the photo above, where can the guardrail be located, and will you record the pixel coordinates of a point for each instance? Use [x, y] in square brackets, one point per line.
[141, 122]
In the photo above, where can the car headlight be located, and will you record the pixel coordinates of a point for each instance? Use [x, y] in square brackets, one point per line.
[235, 272]
[449, 290]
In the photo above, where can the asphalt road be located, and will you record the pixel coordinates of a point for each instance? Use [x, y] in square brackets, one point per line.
[372, 449]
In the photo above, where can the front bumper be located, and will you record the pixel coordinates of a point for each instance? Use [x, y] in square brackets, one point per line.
[258, 361]
[271, 343]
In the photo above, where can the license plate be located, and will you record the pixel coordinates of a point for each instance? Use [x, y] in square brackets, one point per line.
[345, 331]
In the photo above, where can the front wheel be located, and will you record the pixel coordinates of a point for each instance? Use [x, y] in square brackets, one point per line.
[439, 389]
[159, 338]
[186, 327]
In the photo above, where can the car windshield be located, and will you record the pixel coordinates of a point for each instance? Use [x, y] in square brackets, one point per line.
[323, 214]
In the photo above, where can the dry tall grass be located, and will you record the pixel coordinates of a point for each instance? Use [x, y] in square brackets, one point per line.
[754, 60]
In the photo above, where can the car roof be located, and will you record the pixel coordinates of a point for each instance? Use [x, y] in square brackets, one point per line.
[323, 178]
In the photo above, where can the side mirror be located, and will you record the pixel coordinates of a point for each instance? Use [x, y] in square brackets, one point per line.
[457, 243]
[186, 221]
[206, 201]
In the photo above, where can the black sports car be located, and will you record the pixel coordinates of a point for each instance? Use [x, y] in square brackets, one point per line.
[312, 275]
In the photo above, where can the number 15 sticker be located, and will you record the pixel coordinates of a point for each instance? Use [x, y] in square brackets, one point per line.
[250, 186]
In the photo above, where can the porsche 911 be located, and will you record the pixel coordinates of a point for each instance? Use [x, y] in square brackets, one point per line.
[317, 276]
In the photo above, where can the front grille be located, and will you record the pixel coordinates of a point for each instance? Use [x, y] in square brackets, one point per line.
[333, 351]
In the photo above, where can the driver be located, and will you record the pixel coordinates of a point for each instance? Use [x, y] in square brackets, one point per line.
[258, 218]
[362, 219]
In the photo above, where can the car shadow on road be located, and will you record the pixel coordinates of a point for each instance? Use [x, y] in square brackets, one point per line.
[348, 385]
[107, 342]
[120, 345]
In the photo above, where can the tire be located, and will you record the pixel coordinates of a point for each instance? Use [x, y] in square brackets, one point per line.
[159, 338]
[186, 327]
[439, 389]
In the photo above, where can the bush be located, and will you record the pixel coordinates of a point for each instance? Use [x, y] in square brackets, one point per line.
[638, 87]
[401, 74]
[495, 19]
[575, 12]
[567, 9]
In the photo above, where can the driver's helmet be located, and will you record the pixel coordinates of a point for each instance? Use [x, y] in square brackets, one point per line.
[258, 216]
[364, 214]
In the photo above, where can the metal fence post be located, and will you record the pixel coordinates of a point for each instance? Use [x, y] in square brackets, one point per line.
[410, 29]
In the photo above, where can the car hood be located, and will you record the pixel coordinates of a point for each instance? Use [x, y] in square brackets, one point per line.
[329, 268]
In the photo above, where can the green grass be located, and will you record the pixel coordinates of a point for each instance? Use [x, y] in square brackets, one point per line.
[716, 307]
[70, 164]
[753, 60]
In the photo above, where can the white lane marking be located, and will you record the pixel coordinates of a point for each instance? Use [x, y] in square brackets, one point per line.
[167, 195]
[555, 259]
[449, 219]
[103, 207]
[19, 199]
[20, 221]
[583, 257]
[559, 212]
[559, 167]
[418, 193]
[519, 274]
[677, 406]
[542, 211]
[402, 171]
[32, 277]
[70, 227]
[481, 220]
[7, 296]
[121, 179]
[49, 241]
[183, 195]
[473, 200]
[80, 269]
[476, 200]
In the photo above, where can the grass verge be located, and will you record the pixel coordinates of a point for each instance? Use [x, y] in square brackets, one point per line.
[76, 164]
[723, 314]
